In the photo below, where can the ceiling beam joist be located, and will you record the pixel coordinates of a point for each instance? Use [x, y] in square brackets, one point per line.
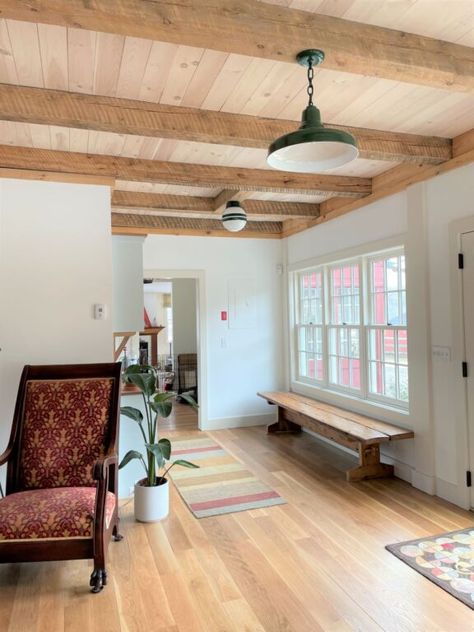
[126, 116]
[187, 174]
[146, 224]
[259, 29]
[198, 207]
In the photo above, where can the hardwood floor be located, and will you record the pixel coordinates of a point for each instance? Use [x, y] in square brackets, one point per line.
[316, 563]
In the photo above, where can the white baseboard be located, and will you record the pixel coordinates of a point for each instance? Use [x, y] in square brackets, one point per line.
[424, 482]
[453, 493]
[242, 421]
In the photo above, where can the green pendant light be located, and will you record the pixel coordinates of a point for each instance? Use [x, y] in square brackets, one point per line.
[312, 148]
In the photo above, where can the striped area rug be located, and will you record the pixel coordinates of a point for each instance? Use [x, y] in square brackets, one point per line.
[222, 484]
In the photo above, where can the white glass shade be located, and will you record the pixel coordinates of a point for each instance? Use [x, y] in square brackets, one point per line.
[312, 157]
[234, 217]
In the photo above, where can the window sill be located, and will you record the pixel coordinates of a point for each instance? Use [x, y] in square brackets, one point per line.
[362, 406]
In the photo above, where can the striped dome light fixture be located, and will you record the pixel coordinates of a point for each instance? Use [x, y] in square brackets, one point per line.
[234, 217]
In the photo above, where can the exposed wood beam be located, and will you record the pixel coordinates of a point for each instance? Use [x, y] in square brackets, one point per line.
[258, 29]
[203, 208]
[153, 201]
[51, 176]
[226, 195]
[388, 183]
[126, 116]
[150, 224]
[178, 173]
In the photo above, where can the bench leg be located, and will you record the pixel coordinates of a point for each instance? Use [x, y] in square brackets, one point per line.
[369, 465]
[283, 424]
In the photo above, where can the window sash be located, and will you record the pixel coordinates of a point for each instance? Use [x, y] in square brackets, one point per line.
[318, 360]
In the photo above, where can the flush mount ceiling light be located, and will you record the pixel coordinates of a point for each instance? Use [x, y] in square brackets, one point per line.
[313, 147]
[234, 217]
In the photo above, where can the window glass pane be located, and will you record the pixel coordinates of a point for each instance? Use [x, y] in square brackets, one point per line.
[355, 373]
[387, 291]
[403, 383]
[376, 378]
[333, 369]
[389, 345]
[344, 290]
[402, 347]
[392, 270]
[390, 380]
[393, 314]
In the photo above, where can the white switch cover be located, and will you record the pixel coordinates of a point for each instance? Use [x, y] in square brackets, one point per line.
[100, 311]
[441, 353]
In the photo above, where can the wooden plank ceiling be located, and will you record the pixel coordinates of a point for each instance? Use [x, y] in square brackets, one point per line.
[175, 104]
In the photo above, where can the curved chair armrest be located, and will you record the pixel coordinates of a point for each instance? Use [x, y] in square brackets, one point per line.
[6, 455]
[102, 465]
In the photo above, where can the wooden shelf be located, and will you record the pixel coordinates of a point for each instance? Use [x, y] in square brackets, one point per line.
[151, 331]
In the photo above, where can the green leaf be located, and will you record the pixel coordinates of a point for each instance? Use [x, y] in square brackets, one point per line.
[163, 409]
[185, 463]
[132, 413]
[130, 456]
[138, 368]
[165, 448]
[146, 382]
[191, 401]
[164, 396]
[155, 449]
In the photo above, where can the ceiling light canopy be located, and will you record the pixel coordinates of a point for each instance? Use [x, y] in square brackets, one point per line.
[234, 217]
[312, 148]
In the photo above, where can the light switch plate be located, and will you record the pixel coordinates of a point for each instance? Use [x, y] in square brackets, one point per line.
[441, 353]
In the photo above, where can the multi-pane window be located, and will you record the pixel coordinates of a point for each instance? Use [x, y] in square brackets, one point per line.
[387, 353]
[344, 321]
[351, 327]
[310, 334]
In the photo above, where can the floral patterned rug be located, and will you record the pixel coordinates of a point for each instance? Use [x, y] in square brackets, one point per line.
[446, 559]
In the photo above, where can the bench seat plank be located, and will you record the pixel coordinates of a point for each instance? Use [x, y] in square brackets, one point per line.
[386, 428]
[346, 426]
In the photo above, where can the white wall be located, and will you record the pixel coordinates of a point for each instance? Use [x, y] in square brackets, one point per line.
[184, 316]
[55, 263]
[422, 216]
[127, 270]
[239, 361]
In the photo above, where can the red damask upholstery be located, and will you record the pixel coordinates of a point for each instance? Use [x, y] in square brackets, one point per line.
[64, 428]
[65, 512]
[62, 467]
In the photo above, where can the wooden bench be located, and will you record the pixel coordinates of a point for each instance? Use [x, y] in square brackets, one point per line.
[357, 432]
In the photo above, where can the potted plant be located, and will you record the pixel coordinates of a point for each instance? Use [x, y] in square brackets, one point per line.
[152, 492]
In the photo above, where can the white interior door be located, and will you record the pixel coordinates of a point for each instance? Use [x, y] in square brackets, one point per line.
[467, 249]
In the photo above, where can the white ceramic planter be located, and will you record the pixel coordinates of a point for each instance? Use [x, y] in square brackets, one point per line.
[151, 503]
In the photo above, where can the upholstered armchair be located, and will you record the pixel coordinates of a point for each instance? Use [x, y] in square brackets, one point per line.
[61, 491]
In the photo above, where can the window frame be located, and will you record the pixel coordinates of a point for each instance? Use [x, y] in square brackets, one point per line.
[364, 327]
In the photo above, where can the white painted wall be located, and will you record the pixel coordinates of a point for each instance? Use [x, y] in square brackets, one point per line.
[55, 263]
[239, 362]
[422, 216]
[127, 269]
[184, 301]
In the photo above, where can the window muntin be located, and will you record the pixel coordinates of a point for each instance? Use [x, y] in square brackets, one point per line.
[351, 327]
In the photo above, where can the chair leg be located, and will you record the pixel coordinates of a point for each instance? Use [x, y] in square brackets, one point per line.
[115, 533]
[98, 579]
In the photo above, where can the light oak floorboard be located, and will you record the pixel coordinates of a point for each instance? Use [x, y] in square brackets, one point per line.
[317, 563]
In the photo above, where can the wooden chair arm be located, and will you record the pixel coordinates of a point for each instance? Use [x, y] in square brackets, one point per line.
[102, 465]
[6, 455]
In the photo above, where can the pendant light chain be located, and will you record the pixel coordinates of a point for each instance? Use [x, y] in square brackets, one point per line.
[310, 89]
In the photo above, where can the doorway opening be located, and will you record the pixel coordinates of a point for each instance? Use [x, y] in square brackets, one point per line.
[173, 302]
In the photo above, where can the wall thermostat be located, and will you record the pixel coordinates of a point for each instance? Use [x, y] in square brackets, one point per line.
[100, 311]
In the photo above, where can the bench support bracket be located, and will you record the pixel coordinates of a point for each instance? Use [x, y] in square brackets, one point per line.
[283, 424]
[369, 464]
